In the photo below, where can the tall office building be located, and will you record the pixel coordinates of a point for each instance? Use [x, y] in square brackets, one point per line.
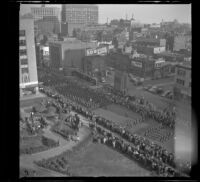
[27, 56]
[77, 16]
[80, 13]
[41, 12]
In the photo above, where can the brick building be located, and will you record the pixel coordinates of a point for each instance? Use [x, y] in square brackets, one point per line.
[94, 66]
[182, 85]
[68, 53]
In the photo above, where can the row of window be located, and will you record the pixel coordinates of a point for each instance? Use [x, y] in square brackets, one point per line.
[22, 42]
[22, 52]
[44, 12]
[182, 82]
[24, 61]
[181, 72]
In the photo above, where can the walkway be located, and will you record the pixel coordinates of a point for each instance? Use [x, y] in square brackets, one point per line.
[27, 160]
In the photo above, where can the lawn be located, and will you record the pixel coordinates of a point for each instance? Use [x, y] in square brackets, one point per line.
[100, 160]
[116, 114]
[31, 142]
[31, 102]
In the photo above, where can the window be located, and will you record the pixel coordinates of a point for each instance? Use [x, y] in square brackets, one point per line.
[22, 52]
[22, 33]
[189, 84]
[181, 72]
[22, 42]
[24, 70]
[24, 61]
[179, 81]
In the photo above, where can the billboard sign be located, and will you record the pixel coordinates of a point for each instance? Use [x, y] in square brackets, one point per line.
[158, 50]
[159, 63]
[97, 51]
[111, 47]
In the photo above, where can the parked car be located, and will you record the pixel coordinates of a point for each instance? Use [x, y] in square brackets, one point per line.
[153, 89]
[166, 93]
[170, 95]
[147, 87]
[159, 90]
[26, 92]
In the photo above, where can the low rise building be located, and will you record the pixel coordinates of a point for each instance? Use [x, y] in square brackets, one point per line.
[182, 81]
[68, 53]
[142, 66]
[149, 50]
[94, 66]
[182, 42]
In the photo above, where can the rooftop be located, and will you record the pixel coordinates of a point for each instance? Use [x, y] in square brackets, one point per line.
[143, 39]
[166, 53]
[187, 64]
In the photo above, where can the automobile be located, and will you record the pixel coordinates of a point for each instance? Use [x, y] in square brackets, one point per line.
[147, 87]
[166, 93]
[159, 90]
[170, 95]
[111, 69]
[27, 92]
[153, 89]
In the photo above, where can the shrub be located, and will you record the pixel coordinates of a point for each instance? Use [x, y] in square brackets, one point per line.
[49, 142]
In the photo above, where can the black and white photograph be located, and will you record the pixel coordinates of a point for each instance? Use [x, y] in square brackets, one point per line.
[105, 90]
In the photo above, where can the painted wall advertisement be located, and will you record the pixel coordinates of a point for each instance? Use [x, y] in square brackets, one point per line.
[98, 51]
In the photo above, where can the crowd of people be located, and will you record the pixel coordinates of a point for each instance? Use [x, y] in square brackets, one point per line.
[85, 96]
[84, 77]
[135, 153]
[74, 94]
[156, 133]
[141, 106]
[74, 122]
[99, 98]
[32, 124]
[142, 144]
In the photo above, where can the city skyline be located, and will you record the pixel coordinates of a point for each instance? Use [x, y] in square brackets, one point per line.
[141, 12]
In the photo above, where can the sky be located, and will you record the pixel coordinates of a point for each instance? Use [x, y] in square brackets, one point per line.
[144, 13]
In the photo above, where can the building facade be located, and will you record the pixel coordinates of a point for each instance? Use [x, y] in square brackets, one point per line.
[94, 66]
[41, 12]
[77, 16]
[27, 55]
[68, 53]
[80, 13]
[142, 67]
[47, 25]
[182, 86]
[182, 42]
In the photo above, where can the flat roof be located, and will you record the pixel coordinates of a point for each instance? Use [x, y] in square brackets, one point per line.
[142, 39]
[185, 64]
[169, 54]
